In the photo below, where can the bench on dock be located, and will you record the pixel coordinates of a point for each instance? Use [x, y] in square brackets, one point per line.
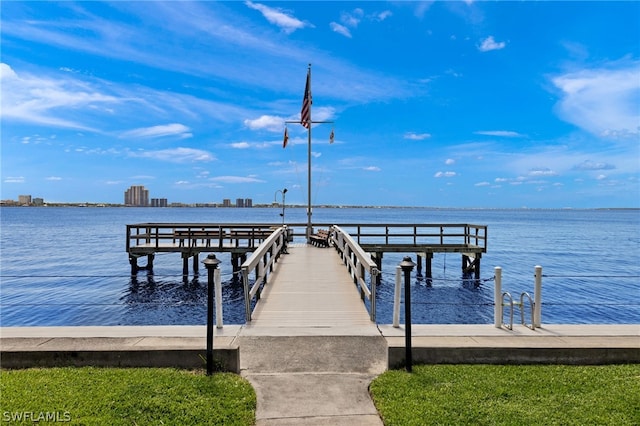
[250, 235]
[321, 238]
[193, 235]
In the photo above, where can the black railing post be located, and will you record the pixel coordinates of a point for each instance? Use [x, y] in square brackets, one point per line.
[211, 264]
[407, 266]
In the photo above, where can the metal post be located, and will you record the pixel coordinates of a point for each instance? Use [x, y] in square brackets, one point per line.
[284, 191]
[537, 294]
[217, 284]
[396, 299]
[407, 266]
[211, 264]
[497, 298]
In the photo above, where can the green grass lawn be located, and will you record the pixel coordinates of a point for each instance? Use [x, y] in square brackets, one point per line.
[136, 396]
[509, 395]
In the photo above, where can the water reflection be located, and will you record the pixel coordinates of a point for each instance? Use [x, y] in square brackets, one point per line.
[153, 300]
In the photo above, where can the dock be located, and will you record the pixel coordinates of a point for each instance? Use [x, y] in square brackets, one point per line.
[190, 240]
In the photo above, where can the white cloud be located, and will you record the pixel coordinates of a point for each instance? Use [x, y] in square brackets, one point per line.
[286, 22]
[489, 43]
[340, 29]
[482, 184]
[240, 145]
[176, 155]
[266, 122]
[383, 15]
[352, 19]
[53, 178]
[603, 101]
[416, 136]
[14, 179]
[542, 172]
[450, 161]
[372, 169]
[236, 179]
[592, 165]
[173, 129]
[39, 100]
[501, 133]
[444, 174]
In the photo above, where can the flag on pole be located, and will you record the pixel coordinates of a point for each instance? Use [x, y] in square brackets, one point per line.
[331, 136]
[305, 113]
[286, 137]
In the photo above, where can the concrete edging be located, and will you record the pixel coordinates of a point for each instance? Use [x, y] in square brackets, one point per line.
[225, 359]
[537, 355]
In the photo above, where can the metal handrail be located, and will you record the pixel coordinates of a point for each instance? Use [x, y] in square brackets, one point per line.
[532, 326]
[261, 261]
[506, 294]
[358, 262]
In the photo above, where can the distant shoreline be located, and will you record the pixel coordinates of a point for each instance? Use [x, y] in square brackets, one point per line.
[290, 206]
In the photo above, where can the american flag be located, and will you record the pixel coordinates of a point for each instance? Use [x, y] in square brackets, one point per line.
[305, 114]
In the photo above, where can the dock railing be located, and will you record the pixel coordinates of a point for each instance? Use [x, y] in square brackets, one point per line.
[155, 237]
[261, 262]
[359, 264]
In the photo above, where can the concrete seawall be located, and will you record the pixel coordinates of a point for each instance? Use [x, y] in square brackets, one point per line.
[185, 346]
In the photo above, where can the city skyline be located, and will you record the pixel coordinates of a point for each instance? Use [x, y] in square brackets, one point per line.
[465, 104]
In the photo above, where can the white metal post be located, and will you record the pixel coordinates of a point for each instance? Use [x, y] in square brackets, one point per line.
[497, 296]
[537, 309]
[218, 290]
[396, 298]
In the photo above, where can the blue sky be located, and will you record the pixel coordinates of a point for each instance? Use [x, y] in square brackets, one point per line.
[448, 104]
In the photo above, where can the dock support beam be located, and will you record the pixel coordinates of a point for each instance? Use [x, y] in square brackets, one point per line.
[428, 274]
[469, 265]
[185, 265]
[195, 264]
[377, 257]
[133, 261]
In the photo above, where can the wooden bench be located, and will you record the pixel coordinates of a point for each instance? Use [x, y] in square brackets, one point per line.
[250, 235]
[193, 235]
[321, 238]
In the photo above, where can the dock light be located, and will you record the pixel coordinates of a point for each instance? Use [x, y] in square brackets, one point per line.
[407, 266]
[282, 191]
[211, 263]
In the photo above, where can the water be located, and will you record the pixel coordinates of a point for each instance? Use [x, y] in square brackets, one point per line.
[68, 266]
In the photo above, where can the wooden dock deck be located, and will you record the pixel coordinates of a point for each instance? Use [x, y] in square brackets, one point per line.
[310, 288]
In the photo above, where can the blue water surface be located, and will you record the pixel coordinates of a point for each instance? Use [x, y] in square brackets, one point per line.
[68, 265]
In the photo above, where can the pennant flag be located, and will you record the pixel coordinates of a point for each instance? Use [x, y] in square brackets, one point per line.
[331, 136]
[286, 138]
[305, 113]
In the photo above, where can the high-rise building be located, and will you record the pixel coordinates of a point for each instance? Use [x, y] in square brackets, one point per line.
[248, 202]
[226, 202]
[136, 195]
[159, 202]
[24, 199]
[240, 202]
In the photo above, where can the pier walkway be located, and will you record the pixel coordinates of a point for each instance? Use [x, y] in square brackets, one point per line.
[310, 288]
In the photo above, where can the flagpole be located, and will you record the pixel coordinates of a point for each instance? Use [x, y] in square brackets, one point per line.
[309, 226]
[306, 121]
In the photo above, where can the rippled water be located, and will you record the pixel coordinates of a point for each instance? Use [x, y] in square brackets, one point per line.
[68, 266]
